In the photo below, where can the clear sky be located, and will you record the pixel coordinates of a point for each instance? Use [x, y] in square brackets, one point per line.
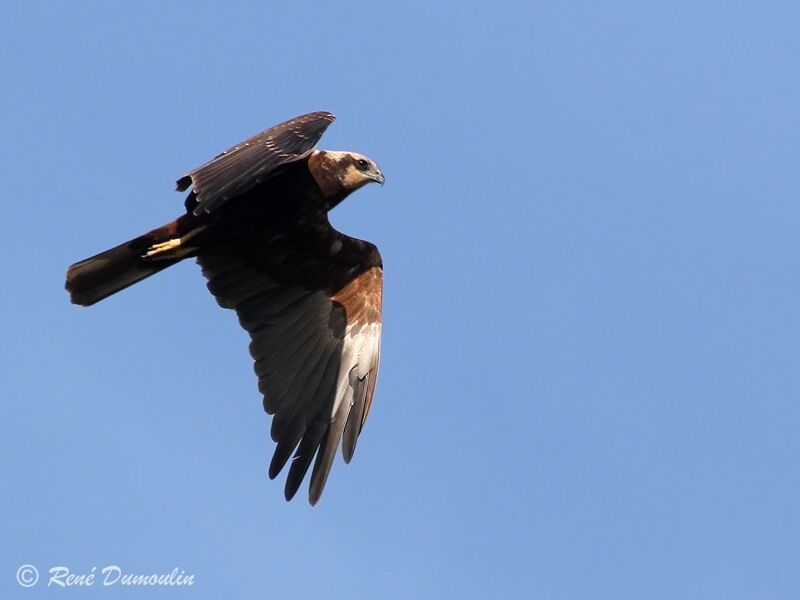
[589, 381]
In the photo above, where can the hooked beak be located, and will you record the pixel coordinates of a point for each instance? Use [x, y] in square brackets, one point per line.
[378, 177]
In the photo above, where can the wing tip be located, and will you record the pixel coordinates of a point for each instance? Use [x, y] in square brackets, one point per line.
[315, 493]
[348, 448]
[322, 114]
[183, 184]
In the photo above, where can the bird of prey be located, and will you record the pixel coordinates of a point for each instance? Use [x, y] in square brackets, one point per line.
[256, 220]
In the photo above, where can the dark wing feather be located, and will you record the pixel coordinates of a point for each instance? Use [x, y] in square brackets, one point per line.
[247, 164]
[356, 417]
[314, 322]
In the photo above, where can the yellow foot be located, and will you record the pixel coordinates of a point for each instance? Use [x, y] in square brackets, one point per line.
[157, 249]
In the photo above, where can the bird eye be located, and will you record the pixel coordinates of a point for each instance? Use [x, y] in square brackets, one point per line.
[362, 164]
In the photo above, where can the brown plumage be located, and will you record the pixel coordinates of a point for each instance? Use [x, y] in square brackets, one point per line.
[310, 297]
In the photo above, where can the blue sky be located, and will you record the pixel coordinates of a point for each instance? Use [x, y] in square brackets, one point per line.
[589, 380]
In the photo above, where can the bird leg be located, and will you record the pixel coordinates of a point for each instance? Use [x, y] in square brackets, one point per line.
[159, 250]
[156, 249]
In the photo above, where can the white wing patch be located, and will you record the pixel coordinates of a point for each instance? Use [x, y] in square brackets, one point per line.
[360, 355]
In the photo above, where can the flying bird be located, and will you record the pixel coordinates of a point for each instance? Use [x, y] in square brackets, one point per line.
[257, 222]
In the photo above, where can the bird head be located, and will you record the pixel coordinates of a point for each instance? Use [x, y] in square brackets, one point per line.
[355, 170]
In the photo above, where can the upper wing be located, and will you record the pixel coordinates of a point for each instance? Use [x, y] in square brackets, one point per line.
[244, 166]
[314, 319]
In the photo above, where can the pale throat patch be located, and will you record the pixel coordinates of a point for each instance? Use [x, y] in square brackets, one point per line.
[354, 178]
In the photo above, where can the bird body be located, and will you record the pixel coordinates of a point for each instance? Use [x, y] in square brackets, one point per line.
[257, 221]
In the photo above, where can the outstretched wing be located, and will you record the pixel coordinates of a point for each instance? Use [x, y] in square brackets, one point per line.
[244, 166]
[314, 319]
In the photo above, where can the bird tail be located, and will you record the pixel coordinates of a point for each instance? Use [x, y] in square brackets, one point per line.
[109, 272]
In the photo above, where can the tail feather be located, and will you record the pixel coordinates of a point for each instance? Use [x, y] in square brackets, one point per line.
[109, 272]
